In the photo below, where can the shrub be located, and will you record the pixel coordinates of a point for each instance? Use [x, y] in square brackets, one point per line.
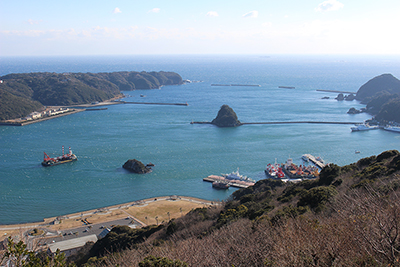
[328, 174]
[151, 261]
[316, 197]
[387, 154]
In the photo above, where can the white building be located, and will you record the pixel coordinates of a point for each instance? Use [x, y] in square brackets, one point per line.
[71, 246]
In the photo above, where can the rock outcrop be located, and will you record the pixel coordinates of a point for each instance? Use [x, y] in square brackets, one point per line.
[340, 97]
[136, 166]
[354, 111]
[226, 117]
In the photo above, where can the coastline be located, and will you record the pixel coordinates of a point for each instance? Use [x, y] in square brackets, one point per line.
[144, 211]
[75, 109]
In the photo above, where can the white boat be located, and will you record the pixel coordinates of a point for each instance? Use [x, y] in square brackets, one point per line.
[236, 176]
[363, 127]
[392, 128]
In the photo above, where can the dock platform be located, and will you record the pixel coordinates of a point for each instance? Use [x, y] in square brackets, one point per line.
[314, 160]
[233, 183]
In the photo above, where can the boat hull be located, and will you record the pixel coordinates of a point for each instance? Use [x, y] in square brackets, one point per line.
[49, 163]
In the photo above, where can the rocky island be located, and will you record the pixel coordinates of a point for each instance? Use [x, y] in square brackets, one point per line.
[136, 166]
[226, 118]
[382, 98]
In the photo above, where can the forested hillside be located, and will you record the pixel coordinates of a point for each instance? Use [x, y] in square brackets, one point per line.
[350, 216]
[20, 94]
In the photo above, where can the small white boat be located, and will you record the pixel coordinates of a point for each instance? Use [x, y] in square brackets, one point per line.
[363, 127]
[305, 158]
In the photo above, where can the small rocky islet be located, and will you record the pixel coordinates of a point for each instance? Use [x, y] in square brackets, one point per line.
[137, 166]
[226, 117]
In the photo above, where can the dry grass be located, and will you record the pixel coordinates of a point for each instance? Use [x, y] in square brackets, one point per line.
[160, 208]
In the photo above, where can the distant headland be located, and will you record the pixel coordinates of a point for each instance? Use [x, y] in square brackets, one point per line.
[24, 93]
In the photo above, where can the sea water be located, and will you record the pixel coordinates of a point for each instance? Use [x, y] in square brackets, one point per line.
[184, 153]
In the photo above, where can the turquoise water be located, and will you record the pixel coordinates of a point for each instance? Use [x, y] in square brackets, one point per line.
[183, 153]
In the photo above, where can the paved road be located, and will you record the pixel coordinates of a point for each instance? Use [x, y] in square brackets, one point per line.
[86, 230]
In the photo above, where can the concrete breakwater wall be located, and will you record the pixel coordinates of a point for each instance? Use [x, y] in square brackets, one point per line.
[284, 122]
[151, 103]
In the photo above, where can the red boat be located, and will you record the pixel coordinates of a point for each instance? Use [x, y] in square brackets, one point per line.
[64, 158]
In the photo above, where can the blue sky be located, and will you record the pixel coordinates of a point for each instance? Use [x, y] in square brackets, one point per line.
[128, 27]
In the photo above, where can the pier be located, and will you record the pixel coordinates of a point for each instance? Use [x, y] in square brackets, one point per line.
[233, 183]
[319, 163]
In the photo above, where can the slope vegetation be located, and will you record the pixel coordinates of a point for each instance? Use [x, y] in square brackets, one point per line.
[350, 216]
[33, 90]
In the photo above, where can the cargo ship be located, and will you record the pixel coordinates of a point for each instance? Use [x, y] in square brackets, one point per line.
[64, 158]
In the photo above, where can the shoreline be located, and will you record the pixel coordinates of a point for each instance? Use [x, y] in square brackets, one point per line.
[75, 109]
[141, 210]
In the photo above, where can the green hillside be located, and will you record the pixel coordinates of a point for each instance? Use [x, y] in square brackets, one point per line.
[350, 216]
[62, 89]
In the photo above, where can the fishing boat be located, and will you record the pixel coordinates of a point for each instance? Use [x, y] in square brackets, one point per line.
[294, 171]
[274, 171]
[64, 158]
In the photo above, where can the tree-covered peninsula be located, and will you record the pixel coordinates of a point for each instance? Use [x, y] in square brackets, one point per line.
[382, 97]
[23, 93]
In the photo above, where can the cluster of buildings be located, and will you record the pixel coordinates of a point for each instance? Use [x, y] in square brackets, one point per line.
[47, 113]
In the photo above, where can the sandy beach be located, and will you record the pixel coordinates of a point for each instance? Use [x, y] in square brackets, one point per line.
[144, 211]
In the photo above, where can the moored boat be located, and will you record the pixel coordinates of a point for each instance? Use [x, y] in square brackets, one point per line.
[238, 177]
[64, 158]
[220, 185]
[363, 127]
[294, 171]
[392, 128]
[274, 171]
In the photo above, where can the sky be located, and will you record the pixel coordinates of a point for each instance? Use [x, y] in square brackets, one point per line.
[153, 27]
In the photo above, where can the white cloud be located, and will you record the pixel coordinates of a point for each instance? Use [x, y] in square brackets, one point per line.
[154, 10]
[32, 22]
[212, 14]
[329, 5]
[267, 24]
[117, 10]
[251, 14]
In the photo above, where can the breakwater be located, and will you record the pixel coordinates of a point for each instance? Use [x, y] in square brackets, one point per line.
[336, 91]
[151, 103]
[234, 84]
[284, 122]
